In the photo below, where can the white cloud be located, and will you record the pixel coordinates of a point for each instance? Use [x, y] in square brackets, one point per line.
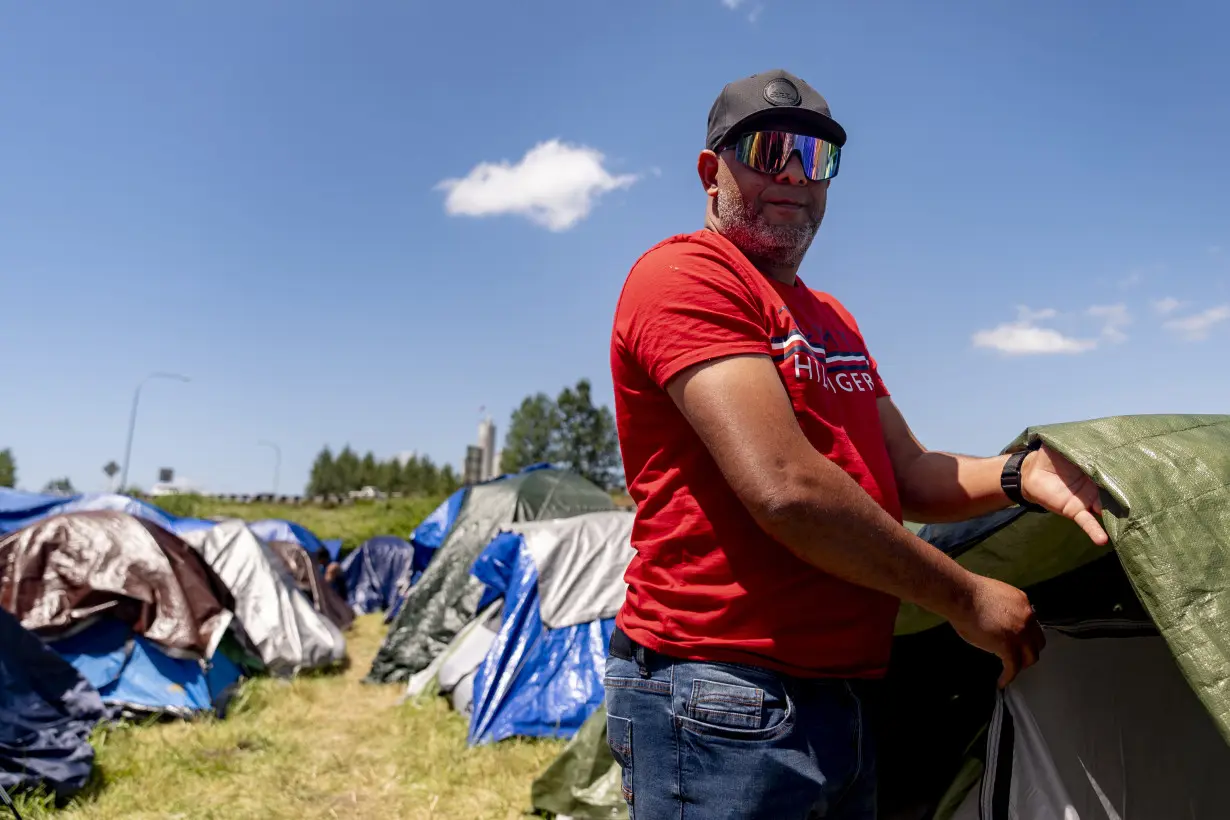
[1215, 250]
[1026, 337]
[1167, 305]
[1114, 319]
[1022, 339]
[731, 4]
[554, 185]
[1196, 327]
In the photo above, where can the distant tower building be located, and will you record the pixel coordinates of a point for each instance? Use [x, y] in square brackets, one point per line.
[486, 443]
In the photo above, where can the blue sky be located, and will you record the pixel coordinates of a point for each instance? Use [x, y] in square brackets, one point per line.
[1031, 223]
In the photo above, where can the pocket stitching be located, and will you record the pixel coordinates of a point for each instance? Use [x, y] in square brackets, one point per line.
[703, 729]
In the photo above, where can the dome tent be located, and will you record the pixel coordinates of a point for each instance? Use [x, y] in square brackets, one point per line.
[289, 634]
[132, 607]
[562, 584]
[1135, 662]
[446, 596]
[374, 571]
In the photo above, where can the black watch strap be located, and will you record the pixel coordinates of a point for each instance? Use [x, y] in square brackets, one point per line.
[1010, 478]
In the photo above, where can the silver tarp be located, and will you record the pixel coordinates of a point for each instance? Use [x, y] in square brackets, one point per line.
[290, 635]
[581, 563]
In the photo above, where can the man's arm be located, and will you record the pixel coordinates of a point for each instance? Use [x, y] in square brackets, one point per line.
[740, 410]
[936, 486]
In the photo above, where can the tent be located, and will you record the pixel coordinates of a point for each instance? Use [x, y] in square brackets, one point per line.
[562, 584]
[20, 509]
[276, 529]
[306, 572]
[288, 633]
[426, 539]
[136, 677]
[1136, 659]
[373, 571]
[135, 610]
[446, 596]
[429, 535]
[47, 712]
[300, 551]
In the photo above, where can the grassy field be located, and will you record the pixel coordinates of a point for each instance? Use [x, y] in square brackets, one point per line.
[315, 747]
[353, 523]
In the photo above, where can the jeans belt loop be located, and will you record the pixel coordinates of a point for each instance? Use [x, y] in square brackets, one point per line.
[640, 660]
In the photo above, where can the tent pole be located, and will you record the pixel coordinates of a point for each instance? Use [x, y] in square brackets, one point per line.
[4, 797]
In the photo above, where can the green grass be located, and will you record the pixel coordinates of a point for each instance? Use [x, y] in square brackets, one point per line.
[324, 746]
[353, 523]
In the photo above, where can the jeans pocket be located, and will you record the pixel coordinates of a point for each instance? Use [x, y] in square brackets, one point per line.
[725, 704]
[619, 738]
[737, 708]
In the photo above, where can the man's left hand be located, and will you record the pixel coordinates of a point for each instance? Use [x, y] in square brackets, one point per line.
[1049, 479]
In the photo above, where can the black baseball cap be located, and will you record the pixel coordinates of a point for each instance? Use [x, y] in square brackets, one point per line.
[774, 97]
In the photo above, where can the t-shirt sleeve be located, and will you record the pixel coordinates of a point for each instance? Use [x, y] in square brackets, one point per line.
[681, 307]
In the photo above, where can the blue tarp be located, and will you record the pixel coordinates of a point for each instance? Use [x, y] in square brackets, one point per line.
[276, 529]
[373, 570]
[47, 712]
[426, 539]
[430, 534]
[534, 682]
[20, 509]
[334, 546]
[134, 674]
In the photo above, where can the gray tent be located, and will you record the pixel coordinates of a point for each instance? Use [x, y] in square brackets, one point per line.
[288, 632]
[1127, 714]
[579, 565]
[445, 598]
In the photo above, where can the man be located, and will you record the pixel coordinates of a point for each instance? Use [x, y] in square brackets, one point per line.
[771, 472]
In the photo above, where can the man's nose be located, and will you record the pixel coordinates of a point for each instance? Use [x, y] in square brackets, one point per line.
[793, 173]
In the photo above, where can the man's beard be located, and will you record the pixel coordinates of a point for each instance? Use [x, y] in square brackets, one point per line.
[779, 244]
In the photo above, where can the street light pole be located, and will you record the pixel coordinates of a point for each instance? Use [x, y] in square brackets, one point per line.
[277, 464]
[132, 420]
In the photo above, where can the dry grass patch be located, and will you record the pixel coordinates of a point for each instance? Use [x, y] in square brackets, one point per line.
[315, 747]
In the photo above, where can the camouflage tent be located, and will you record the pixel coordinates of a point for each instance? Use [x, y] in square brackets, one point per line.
[446, 597]
[1137, 657]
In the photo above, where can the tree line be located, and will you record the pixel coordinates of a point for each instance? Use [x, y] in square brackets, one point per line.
[570, 431]
[346, 472]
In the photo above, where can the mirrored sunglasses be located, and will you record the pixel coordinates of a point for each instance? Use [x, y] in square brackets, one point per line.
[769, 151]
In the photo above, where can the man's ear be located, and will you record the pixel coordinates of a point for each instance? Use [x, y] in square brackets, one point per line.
[707, 169]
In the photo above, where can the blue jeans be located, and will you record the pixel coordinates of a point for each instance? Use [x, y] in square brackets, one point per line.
[719, 741]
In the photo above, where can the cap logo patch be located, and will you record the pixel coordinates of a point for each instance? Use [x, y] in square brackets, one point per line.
[782, 92]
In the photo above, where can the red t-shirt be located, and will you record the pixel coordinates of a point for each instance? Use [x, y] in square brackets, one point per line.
[707, 583]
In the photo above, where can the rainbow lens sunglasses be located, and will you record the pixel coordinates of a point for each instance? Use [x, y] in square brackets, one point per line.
[769, 151]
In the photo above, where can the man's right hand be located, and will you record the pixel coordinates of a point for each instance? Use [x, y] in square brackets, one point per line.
[997, 618]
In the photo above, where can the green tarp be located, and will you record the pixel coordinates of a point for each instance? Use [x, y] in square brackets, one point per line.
[1166, 498]
[446, 596]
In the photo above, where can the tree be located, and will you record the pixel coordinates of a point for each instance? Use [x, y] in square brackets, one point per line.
[429, 481]
[324, 473]
[449, 482]
[348, 468]
[390, 476]
[8, 468]
[60, 486]
[369, 473]
[586, 439]
[110, 469]
[531, 433]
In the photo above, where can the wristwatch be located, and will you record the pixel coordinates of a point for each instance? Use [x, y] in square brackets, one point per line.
[1010, 478]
